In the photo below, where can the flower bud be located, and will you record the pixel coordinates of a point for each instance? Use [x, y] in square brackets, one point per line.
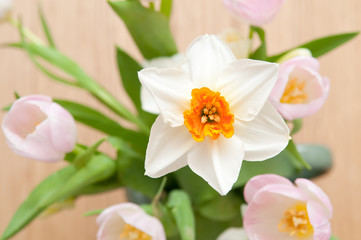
[5, 7]
[298, 52]
[37, 128]
[239, 44]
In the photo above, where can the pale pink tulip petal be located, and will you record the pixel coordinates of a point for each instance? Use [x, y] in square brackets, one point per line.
[113, 220]
[217, 162]
[254, 12]
[256, 183]
[265, 136]
[159, 159]
[62, 128]
[207, 57]
[263, 216]
[319, 219]
[37, 128]
[246, 84]
[315, 193]
[171, 89]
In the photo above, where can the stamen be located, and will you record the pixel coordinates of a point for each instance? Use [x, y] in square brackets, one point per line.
[132, 233]
[294, 92]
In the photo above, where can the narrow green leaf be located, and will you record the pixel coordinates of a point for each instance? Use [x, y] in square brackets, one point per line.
[166, 7]
[181, 209]
[292, 149]
[261, 52]
[69, 67]
[297, 125]
[131, 169]
[99, 121]
[222, 208]
[149, 29]
[59, 186]
[30, 208]
[128, 69]
[100, 187]
[319, 157]
[83, 158]
[333, 238]
[93, 212]
[320, 46]
[46, 28]
[198, 189]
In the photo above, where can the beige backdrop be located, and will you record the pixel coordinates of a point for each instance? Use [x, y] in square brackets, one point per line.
[87, 31]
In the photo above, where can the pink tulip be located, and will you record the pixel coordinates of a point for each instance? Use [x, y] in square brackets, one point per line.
[254, 12]
[37, 128]
[128, 221]
[277, 209]
[300, 90]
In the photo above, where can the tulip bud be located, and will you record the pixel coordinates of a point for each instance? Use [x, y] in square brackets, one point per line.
[37, 128]
[239, 44]
[128, 221]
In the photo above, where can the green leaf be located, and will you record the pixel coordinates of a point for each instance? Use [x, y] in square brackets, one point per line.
[198, 189]
[320, 46]
[166, 7]
[131, 169]
[99, 121]
[319, 157]
[46, 28]
[181, 209]
[30, 208]
[84, 81]
[292, 149]
[333, 238]
[297, 126]
[222, 208]
[93, 212]
[83, 158]
[59, 186]
[261, 52]
[128, 69]
[149, 29]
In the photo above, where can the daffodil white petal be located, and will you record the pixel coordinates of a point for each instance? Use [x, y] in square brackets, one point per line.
[171, 89]
[218, 162]
[207, 57]
[246, 85]
[167, 148]
[147, 100]
[265, 136]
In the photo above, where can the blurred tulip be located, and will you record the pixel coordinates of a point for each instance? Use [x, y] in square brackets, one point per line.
[254, 12]
[277, 209]
[5, 8]
[127, 221]
[37, 128]
[300, 90]
[239, 44]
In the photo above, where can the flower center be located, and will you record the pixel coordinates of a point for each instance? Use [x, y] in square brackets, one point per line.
[209, 115]
[295, 221]
[294, 92]
[132, 233]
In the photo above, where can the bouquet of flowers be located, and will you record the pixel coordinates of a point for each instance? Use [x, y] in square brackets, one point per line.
[206, 153]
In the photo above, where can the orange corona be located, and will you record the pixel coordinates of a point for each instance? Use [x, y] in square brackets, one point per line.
[209, 115]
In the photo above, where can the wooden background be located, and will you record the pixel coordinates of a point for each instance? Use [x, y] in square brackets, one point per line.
[88, 31]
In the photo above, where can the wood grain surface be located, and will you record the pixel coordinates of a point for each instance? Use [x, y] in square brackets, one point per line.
[88, 32]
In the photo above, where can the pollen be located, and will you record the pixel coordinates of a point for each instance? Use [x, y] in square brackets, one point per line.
[294, 92]
[132, 233]
[295, 222]
[208, 115]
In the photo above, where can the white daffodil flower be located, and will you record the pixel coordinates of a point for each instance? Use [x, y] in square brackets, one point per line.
[213, 114]
[147, 100]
